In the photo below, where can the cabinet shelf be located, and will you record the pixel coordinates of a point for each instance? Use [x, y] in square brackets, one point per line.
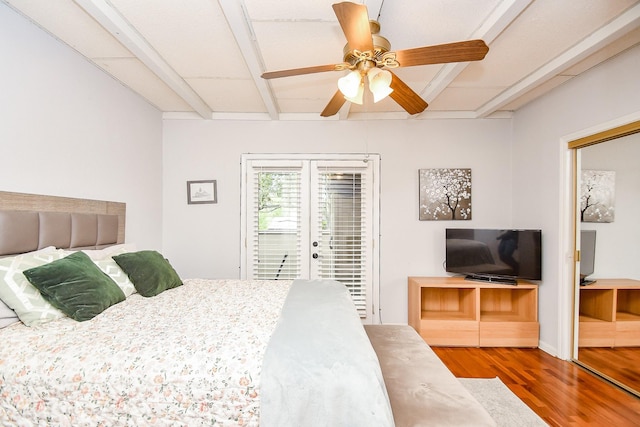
[501, 316]
[446, 315]
[451, 311]
[584, 318]
[610, 314]
[622, 316]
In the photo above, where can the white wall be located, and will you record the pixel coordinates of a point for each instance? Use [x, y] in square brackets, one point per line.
[617, 251]
[204, 240]
[600, 95]
[67, 129]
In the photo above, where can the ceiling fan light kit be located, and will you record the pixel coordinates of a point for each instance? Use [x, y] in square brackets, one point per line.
[350, 84]
[358, 98]
[379, 83]
[368, 54]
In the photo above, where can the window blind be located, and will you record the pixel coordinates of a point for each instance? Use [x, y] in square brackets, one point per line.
[342, 225]
[276, 237]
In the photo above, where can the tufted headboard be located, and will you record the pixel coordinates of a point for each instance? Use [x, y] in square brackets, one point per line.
[29, 222]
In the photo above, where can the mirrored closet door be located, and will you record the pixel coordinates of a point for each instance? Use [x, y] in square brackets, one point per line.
[607, 275]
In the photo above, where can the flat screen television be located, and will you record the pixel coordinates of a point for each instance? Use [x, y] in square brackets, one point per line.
[587, 255]
[501, 256]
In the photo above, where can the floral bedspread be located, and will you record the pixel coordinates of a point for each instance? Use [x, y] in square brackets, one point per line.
[190, 356]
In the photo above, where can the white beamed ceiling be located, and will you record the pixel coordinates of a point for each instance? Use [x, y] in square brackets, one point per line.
[204, 58]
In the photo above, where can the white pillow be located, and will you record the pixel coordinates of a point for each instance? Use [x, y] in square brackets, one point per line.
[108, 252]
[109, 266]
[7, 316]
[19, 294]
[102, 258]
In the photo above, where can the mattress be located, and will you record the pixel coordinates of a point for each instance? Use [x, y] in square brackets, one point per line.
[209, 352]
[189, 356]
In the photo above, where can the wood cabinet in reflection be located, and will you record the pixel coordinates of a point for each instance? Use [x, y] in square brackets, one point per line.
[610, 314]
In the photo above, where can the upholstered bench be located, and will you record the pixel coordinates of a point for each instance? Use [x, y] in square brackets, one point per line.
[422, 390]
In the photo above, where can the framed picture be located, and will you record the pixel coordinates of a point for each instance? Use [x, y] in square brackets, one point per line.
[445, 194]
[597, 196]
[201, 192]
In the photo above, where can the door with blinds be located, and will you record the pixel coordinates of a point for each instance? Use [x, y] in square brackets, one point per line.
[316, 218]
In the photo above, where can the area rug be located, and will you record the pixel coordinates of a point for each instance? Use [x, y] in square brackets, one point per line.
[500, 402]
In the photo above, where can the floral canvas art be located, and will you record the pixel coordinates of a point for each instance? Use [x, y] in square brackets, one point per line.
[445, 194]
[597, 196]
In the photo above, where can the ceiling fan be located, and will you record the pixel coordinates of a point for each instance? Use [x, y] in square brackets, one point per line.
[368, 54]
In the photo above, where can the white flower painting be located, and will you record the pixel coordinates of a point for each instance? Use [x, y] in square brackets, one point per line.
[445, 194]
[597, 196]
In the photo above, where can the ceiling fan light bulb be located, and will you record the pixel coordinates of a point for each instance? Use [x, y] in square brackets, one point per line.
[379, 83]
[350, 84]
[381, 94]
[357, 99]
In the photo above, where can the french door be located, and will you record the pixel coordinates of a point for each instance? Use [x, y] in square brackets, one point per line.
[313, 217]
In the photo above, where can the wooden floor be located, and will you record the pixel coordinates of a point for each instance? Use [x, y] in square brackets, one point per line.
[619, 363]
[560, 392]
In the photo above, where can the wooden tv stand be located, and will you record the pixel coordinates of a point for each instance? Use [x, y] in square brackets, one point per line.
[610, 313]
[452, 311]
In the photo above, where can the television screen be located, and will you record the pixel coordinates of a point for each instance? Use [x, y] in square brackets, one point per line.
[492, 255]
[587, 255]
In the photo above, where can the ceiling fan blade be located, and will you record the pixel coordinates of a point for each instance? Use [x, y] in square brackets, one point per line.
[471, 50]
[407, 98]
[354, 21]
[301, 71]
[334, 105]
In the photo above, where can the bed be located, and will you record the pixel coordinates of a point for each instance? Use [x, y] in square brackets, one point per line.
[147, 349]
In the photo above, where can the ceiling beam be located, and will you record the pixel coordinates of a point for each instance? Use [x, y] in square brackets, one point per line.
[118, 27]
[240, 25]
[595, 41]
[499, 19]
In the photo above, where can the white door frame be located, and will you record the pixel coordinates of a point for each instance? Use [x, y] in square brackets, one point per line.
[373, 315]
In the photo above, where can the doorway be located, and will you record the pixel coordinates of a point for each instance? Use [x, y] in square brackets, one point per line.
[313, 217]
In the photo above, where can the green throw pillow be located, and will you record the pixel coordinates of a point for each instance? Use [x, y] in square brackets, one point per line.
[76, 286]
[149, 271]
